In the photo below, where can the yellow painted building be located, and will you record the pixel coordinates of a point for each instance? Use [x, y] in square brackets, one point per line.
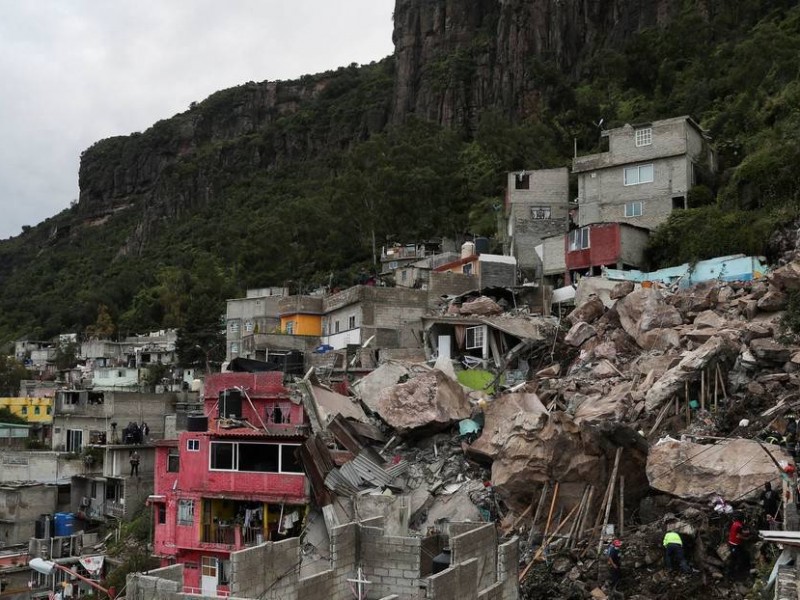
[301, 324]
[34, 410]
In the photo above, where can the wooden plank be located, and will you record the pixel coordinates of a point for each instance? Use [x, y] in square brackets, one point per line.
[552, 506]
[582, 521]
[538, 512]
[610, 496]
[544, 545]
[621, 505]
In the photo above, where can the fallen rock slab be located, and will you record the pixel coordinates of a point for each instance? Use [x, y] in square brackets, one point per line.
[769, 350]
[772, 301]
[732, 468]
[671, 382]
[622, 289]
[431, 400]
[786, 277]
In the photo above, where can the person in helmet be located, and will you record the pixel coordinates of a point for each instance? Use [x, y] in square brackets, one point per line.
[614, 556]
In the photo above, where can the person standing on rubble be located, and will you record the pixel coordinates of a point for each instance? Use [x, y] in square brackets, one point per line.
[770, 503]
[673, 551]
[614, 556]
[738, 535]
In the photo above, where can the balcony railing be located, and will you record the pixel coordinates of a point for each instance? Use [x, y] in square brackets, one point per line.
[235, 535]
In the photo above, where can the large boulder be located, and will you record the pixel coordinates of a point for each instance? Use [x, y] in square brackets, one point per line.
[644, 310]
[622, 289]
[369, 387]
[497, 415]
[772, 301]
[708, 319]
[770, 351]
[431, 401]
[482, 306]
[579, 333]
[786, 277]
[588, 311]
[731, 468]
[697, 298]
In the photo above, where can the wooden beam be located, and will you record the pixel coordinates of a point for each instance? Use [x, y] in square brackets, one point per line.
[552, 506]
[611, 485]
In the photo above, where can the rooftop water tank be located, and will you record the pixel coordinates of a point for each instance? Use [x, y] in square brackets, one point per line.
[467, 249]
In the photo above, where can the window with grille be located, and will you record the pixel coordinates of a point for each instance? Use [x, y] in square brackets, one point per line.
[644, 137]
[185, 512]
[540, 212]
[579, 239]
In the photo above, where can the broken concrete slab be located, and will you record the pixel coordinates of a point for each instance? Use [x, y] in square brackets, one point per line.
[579, 333]
[730, 468]
[330, 403]
[671, 383]
[431, 400]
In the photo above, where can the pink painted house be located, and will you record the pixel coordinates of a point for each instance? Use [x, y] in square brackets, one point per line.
[233, 480]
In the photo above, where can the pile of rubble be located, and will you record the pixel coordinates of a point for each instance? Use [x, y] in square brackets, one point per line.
[643, 400]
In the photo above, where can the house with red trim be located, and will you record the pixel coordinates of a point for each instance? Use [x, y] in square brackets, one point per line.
[629, 190]
[233, 480]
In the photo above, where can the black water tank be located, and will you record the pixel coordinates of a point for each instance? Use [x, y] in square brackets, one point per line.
[481, 245]
[197, 422]
[230, 404]
[43, 527]
[441, 561]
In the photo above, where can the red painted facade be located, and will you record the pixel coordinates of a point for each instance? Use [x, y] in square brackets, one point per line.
[230, 486]
[604, 248]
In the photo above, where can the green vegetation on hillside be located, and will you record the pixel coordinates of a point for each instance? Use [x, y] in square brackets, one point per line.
[310, 199]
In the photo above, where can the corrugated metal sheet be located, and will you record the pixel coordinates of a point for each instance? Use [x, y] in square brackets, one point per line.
[349, 472]
[370, 471]
[337, 483]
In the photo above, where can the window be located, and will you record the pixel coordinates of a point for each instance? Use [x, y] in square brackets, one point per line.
[278, 414]
[336, 326]
[235, 326]
[37, 410]
[290, 327]
[222, 457]
[633, 209]
[289, 461]
[49, 410]
[467, 269]
[93, 490]
[644, 136]
[351, 323]
[637, 175]
[475, 337]
[403, 276]
[209, 566]
[161, 509]
[193, 445]
[74, 440]
[254, 458]
[579, 239]
[224, 572]
[261, 458]
[522, 181]
[24, 410]
[540, 212]
[185, 512]
[234, 348]
[173, 461]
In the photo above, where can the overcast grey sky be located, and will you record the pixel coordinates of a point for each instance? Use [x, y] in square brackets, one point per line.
[77, 71]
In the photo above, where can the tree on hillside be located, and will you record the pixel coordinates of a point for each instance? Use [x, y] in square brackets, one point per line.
[104, 326]
[11, 373]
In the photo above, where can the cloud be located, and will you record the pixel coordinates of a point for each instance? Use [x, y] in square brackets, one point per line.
[79, 71]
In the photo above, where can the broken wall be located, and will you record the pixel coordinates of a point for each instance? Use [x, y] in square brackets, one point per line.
[480, 544]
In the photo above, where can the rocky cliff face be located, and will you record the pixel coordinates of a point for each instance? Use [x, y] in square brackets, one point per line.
[458, 57]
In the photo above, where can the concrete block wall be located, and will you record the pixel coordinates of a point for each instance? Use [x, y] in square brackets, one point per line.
[508, 569]
[480, 544]
[390, 563]
[269, 571]
[318, 586]
[456, 583]
[441, 284]
[159, 584]
[344, 558]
